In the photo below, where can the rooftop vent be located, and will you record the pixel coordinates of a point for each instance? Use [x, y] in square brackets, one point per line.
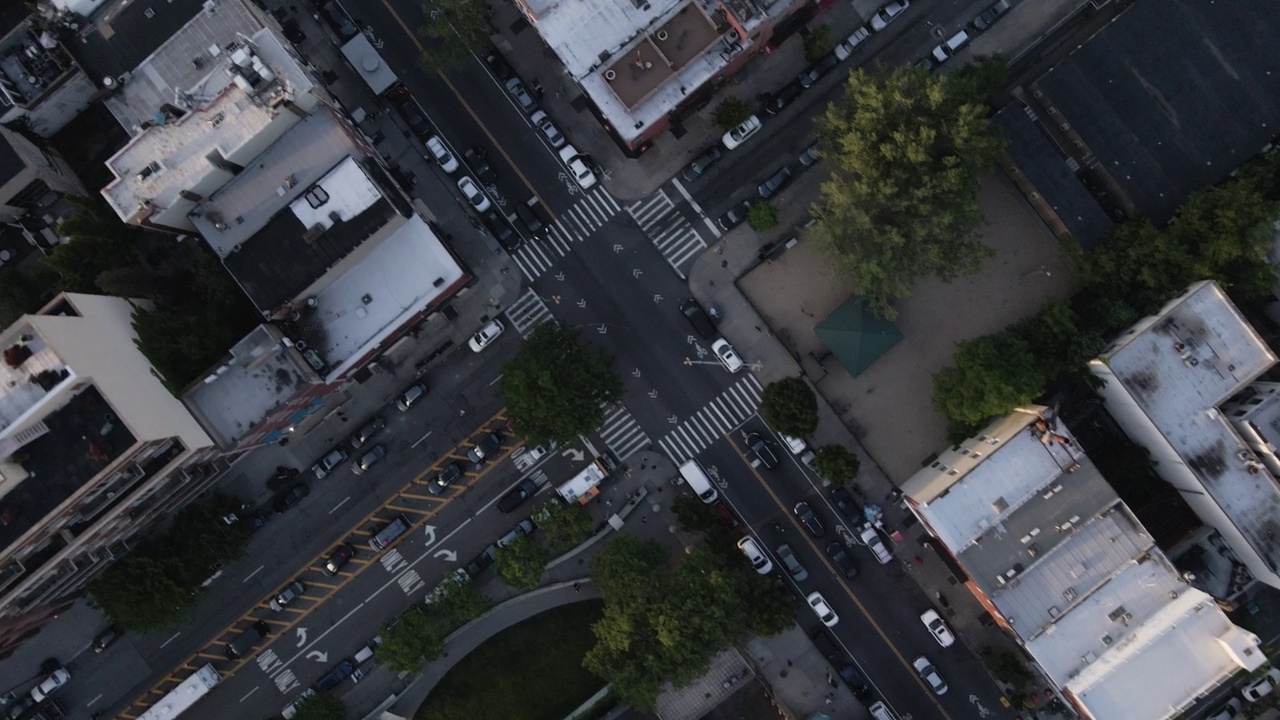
[1107, 640]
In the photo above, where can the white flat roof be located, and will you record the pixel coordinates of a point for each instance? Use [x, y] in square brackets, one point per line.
[580, 31]
[366, 60]
[348, 192]
[580, 484]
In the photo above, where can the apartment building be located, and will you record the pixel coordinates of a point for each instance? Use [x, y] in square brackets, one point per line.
[1064, 566]
[93, 450]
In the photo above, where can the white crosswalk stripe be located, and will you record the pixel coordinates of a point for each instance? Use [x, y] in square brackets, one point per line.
[574, 225]
[716, 418]
[622, 433]
[669, 231]
[528, 312]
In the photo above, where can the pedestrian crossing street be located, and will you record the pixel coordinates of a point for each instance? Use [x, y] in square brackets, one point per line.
[528, 312]
[716, 418]
[669, 230]
[574, 225]
[622, 433]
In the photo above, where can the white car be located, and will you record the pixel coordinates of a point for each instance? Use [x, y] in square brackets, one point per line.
[845, 49]
[875, 544]
[822, 609]
[572, 158]
[50, 684]
[938, 627]
[486, 335]
[291, 709]
[888, 14]
[728, 357]
[1260, 688]
[474, 194]
[755, 555]
[742, 133]
[548, 129]
[930, 675]
[448, 162]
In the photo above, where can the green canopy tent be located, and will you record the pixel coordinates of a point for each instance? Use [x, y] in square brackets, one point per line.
[857, 335]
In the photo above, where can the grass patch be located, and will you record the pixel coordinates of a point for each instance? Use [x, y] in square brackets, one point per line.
[532, 671]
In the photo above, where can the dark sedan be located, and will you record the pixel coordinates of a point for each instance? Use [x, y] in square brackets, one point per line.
[816, 71]
[449, 474]
[340, 556]
[785, 97]
[762, 450]
[485, 448]
[514, 499]
[410, 111]
[701, 163]
[736, 215]
[809, 519]
[289, 498]
[842, 560]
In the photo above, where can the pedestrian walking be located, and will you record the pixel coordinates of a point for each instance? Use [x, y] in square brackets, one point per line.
[577, 587]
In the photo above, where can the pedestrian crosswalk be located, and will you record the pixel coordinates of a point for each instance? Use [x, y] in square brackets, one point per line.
[716, 418]
[574, 225]
[528, 312]
[668, 230]
[621, 432]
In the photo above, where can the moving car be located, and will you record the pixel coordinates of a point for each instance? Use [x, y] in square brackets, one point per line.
[728, 357]
[502, 231]
[548, 129]
[514, 499]
[369, 459]
[441, 154]
[371, 428]
[56, 680]
[534, 225]
[755, 555]
[818, 70]
[485, 447]
[474, 195]
[809, 519]
[521, 95]
[887, 14]
[1262, 687]
[735, 216]
[698, 318]
[788, 558]
[340, 556]
[289, 498]
[411, 396]
[842, 560]
[700, 164]
[930, 675]
[784, 97]
[741, 133]
[328, 463]
[577, 167]
[105, 639]
[938, 628]
[988, 17]
[762, 450]
[775, 183]
[844, 49]
[449, 474]
[486, 335]
[290, 593]
[875, 544]
[820, 608]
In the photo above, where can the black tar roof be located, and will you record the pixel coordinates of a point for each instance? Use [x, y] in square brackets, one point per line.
[10, 163]
[133, 36]
[1174, 95]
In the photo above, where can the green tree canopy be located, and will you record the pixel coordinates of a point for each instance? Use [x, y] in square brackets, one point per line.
[520, 563]
[731, 112]
[458, 598]
[139, 593]
[556, 388]
[19, 294]
[790, 406]
[905, 149]
[992, 375]
[453, 30]
[321, 706]
[762, 216]
[837, 464]
[564, 525]
[817, 43]
[410, 642]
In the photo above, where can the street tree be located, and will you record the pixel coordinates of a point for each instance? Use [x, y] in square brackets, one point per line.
[1059, 341]
[556, 388]
[905, 149]
[817, 43]
[790, 406]
[564, 525]
[837, 464]
[410, 642]
[762, 216]
[139, 594]
[990, 376]
[454, 28]
[458, 598]
[731, 112]
[321, 706]
[520, 563]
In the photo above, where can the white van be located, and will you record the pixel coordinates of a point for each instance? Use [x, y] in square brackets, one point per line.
[880, 711]
[698, 482]
[951, 46]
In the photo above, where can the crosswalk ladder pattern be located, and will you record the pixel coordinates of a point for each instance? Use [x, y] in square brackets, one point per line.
[668, 230]
[576, 224]
[621, 432]
[716, 418]
[528, 312]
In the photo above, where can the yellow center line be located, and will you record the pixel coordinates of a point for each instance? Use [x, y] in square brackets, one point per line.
[421, 49]
[822, 556]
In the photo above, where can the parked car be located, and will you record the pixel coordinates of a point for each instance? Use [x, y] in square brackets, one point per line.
[887, 14]
[849, 674]
[938, 628]
[1262, 687]
[700, 164]
[871, 538]
[499, 64]
[810, 156]
[448, 475]
[485, 448]
[336, 674]
[549, 130]
[441, 155]
[818, 70]
[755, 555]
[534, 225]
[474, 195]
[809, 519]
[340, 556]
[823, 610]
[784, 97]
[522, 97]
[844, 49]
[524, 528]
[988, 17]
[842, 560]
[930, 675]
[727, 355]
[369, 459]
[735, 216]
[1227, 711]
[49, 685]
[948, 48]
[698, 318]
[516, 497]
[788, 558]
[105, 639]
[410, 111]
[290, 593]
[289, 498]
[502, 231]
[775, 183]
[762, 450]
[328, 463]
[485, 335]
[412, 396]
[482, 561]
[371, 428]
[475, 158]
[740, 134]
[578, 167]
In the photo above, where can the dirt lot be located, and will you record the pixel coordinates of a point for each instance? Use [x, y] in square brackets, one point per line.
[889, 406]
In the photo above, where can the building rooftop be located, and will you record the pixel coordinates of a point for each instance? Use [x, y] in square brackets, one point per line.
[1179, 366]
[20, 395]
[32, 63]
[127, 33]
